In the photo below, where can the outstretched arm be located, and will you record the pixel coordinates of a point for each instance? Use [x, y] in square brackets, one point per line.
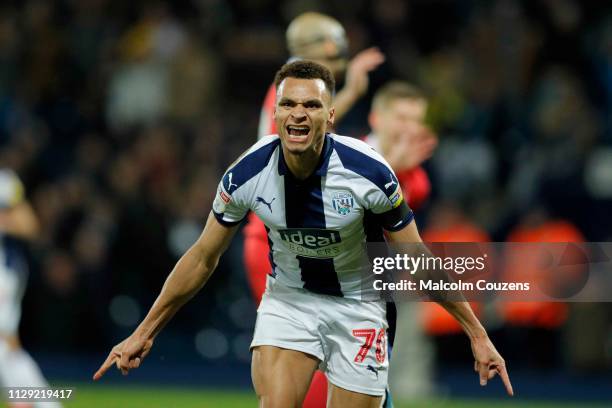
[189, 275]
[488, 361]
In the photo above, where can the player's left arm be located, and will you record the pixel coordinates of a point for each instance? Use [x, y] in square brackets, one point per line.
[488, 361]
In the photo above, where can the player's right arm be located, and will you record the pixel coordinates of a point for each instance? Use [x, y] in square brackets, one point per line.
[188, 276]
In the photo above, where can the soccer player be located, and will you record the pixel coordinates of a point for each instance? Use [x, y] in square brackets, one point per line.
[17, 223]
[321, 197]
[320, 38]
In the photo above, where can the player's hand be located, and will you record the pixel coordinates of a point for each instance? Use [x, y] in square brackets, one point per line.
[412, 147]
[489, 363]
[358, 68]
[125, 356]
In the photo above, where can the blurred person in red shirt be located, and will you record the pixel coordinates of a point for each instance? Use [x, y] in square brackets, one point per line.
[399, 133]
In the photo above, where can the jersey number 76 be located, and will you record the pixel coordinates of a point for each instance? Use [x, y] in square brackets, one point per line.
[370, 335]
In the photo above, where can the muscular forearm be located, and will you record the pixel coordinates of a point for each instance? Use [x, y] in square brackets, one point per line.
[451, 300]
[189, 275]
[454, 302]
[463, 313]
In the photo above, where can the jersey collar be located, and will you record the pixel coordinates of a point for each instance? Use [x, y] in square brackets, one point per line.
[321, 169]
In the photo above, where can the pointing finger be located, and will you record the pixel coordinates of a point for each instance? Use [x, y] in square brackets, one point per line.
[503, 373]
[108, 363]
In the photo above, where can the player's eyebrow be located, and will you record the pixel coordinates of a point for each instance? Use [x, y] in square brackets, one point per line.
[284, 99]
[308, 102]
[313, 102]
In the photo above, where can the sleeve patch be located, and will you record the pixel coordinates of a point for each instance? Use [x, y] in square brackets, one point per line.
[396, 198]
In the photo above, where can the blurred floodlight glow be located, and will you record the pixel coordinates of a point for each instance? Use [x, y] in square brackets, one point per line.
[242, 313]
[211, 343]
[124, 311]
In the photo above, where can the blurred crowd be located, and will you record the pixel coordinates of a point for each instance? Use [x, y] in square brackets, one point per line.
[121, 116]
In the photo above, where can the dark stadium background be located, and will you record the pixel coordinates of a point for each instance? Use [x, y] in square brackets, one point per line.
[120, 116]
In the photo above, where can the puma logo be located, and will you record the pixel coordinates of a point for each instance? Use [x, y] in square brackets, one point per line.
[269, 204]
[229, 176]
[372, 369]
[390, 183]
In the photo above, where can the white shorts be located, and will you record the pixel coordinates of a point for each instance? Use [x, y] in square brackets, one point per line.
[348, 336]
[11, 292]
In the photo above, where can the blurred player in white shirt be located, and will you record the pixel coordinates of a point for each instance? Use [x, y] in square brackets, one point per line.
[17, 223]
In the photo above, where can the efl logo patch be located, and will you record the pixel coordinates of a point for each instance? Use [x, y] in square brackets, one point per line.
[342, 202]
[396, 198]
[222, 199]
[226, 199]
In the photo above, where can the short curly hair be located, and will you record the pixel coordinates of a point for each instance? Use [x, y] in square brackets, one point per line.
[304, 69]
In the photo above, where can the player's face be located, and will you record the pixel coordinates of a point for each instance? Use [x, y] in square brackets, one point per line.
[302, 114]
[398, 118]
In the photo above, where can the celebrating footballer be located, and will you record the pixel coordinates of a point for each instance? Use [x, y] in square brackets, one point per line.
[321, 197]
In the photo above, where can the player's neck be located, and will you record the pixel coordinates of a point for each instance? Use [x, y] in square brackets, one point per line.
[303, 165]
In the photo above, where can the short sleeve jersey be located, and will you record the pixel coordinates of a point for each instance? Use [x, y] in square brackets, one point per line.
[318, 227]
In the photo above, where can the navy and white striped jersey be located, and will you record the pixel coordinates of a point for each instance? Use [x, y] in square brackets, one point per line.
[318, 227]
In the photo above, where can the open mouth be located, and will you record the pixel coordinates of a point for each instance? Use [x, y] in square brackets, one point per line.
[298, 131]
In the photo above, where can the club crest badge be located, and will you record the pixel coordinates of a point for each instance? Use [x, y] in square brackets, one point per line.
[342, 202]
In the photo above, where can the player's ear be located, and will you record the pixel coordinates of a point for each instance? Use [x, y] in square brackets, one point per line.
[331, 117]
